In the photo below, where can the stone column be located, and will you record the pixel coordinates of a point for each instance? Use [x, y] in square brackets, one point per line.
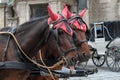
[118, 10]
[2, 15]
[22, 12]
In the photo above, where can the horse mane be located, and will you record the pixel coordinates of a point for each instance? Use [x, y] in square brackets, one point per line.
[26, 24]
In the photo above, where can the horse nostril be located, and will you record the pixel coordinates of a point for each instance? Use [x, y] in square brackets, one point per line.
[84, 55]
[74, 60]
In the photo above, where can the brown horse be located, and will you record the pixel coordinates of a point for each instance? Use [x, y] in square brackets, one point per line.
[79, 38]
[82, 32]
[53, 52]
[19, 45]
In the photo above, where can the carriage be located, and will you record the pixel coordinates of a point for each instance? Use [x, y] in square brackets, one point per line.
[104, 44]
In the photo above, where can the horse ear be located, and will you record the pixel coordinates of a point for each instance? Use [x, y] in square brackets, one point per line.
[52, 15]
[66, 13]
[81, 14]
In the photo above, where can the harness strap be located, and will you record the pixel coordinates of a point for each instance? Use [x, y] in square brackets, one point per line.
[5, 50]
[16, 65]
[8, 40]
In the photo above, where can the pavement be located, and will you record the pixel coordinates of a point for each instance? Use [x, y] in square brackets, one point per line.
[103, 73]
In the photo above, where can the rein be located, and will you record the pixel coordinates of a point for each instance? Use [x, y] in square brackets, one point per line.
[46, 66]
[33, 61]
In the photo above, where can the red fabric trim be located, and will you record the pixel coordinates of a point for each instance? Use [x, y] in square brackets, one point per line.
[78, 26]
[61, 25]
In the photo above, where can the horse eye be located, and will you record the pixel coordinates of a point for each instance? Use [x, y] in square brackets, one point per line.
[75, 36]
[88, 34]
[60, 31]
[74, 29]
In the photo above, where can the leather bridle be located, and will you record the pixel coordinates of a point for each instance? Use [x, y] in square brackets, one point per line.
[55, 32]
[80, 22]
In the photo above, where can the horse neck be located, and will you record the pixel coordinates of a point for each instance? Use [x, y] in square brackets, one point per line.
[31, 37]
[50, 50]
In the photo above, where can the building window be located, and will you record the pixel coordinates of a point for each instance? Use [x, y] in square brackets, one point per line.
[99, 30]
[82, 4]
[38, 10]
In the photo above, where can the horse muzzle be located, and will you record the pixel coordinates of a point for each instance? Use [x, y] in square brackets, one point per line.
[83, 57]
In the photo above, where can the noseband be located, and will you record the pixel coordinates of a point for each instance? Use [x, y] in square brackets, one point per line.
[77, 43]
[80, 42]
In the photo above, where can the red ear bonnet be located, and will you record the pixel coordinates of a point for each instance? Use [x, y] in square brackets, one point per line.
[77, 24]
[52, 15]
[62, 25]
[66, 13]
[81, 14]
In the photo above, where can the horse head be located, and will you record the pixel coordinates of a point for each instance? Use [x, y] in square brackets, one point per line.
[80, 30]
[21, 43]
[60, 43]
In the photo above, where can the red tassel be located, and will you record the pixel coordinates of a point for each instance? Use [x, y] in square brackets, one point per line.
[52, 15]
[66, 13]
[81, 14]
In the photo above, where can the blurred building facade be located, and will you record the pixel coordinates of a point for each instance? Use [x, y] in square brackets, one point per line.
[16, 12]
[104, 10]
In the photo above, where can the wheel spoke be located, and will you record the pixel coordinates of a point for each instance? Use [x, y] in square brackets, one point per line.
[112, 58]
[117, 66]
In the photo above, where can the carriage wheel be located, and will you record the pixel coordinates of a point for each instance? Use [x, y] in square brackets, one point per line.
[81, 65]
[97, 59]
[113, 58]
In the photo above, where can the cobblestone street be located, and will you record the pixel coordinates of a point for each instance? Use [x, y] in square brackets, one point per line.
[103, 74]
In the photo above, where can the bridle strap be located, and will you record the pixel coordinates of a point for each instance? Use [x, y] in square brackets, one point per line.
[80, 42]
[57, 21]
[60, 50]
[57, 40]
[71, 49]
[73, 17]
